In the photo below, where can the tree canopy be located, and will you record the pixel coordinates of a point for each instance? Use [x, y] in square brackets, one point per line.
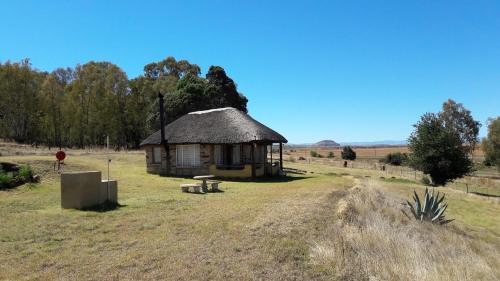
[491, 144]
[348, 153]
[81, 106]
[442, 143]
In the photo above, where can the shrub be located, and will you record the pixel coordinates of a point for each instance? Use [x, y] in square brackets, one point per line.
[396, 158]
[348, 153]
[432, 209]
[25, 173]
[330, 154]
[425, 180]
[313, 153]
[301, 158]
[5, 179]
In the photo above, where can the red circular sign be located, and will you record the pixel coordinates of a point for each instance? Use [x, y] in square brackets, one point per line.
[60, 155]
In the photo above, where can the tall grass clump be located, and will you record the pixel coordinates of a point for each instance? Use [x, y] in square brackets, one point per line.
[5, 179]
[373, 240]
[25, 173]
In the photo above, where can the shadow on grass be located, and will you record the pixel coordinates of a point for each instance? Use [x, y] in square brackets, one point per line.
[256, 180]
[485, 194]
[206, 193]
[104, 207]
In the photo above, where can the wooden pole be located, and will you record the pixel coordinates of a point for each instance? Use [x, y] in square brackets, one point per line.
[271, 159]
[253, 159]
[281, 156]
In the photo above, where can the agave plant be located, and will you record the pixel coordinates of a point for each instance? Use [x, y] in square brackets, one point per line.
[432, 209]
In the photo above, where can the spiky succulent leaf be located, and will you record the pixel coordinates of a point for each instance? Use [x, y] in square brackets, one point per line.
[430, 209]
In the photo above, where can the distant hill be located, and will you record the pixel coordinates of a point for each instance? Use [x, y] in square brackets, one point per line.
[330, 143]
[326, 143]
[376, 143]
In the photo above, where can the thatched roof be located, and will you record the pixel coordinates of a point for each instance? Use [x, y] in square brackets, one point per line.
[221, 125]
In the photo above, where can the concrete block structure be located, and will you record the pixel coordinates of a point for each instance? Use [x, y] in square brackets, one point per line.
[80, 190]
[109, 191]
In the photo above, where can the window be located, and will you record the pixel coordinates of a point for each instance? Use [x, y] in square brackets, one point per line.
[227, 154]
[260, 153]
[188, 155]
[156, 154]
[218, 154]
[236, 154]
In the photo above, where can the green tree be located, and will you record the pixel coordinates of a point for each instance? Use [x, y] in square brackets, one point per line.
[348, 153]
[222, 90]
[491, 143]
[438, 151]
[98, 96]
[396, 158]
[20, 114]
[53, 92]
[459, 119]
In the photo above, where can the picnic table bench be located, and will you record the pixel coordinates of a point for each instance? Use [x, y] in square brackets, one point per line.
[203, 186]
[196, 187]
[204, 181]
[214, 185]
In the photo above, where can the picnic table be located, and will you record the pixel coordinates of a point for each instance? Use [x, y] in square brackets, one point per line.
[204, 179]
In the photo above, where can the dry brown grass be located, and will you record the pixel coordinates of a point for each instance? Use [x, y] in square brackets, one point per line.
[373, 241]
[252, 231]
[366, 153]
[281, 229]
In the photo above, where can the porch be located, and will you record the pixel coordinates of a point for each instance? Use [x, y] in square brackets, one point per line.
[246, 160]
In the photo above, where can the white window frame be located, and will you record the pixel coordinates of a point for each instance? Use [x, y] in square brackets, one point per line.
[154, 160]
[236, 154]
[218, 156]
[187, 155]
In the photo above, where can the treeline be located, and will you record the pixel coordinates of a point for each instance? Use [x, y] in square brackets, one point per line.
[79, 107]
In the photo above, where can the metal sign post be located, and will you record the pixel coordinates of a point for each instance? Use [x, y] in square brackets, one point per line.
[109, 161]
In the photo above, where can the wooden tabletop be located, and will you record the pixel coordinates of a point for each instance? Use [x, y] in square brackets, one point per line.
[204, 177]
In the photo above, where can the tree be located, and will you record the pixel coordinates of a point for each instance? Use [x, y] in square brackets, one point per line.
[222, 90]
[81, 106]
[459, 119]
[98, 96]
[53, 92]
[20, 98]
[491, 144]
[348, 153]
[438, 151]
[396, 158]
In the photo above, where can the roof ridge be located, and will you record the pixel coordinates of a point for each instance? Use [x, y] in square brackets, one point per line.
[211, 110]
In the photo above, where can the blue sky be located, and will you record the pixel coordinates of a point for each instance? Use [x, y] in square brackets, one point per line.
[312, 70]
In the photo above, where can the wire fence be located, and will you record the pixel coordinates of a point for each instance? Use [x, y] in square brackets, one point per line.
[481, 185]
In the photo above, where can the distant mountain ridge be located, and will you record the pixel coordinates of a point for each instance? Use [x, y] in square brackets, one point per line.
[326, 143]
[331, 143]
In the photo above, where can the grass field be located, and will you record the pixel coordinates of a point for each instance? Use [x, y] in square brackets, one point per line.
[301, 227]
[364, 153]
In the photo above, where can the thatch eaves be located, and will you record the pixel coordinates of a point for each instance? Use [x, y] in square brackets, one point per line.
[216, 126]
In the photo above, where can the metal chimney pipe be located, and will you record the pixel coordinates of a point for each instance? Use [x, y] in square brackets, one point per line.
[162, 135]
[162, 119]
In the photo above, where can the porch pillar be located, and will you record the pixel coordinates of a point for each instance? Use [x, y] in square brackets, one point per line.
[271, 155]
[281, 156]
[252, 151]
